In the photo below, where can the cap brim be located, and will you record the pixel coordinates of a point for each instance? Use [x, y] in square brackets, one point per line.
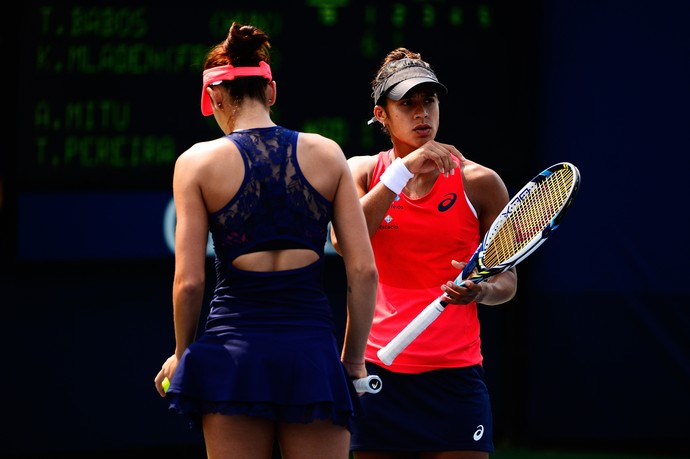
[398, 91]
[206, 105]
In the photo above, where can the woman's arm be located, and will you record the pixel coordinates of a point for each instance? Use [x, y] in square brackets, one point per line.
[362, 276]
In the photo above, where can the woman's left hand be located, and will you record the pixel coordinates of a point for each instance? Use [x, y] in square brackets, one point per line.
[455, 294]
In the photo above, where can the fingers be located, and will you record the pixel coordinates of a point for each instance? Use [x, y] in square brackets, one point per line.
[444, 160]
[454, 151]
[462, 293]
[449, 151]
[457, 294]
[165, 375]
[458, 264]
[159, 382]
[440, 154]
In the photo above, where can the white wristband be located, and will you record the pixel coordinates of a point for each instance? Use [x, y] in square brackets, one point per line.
[396, 176]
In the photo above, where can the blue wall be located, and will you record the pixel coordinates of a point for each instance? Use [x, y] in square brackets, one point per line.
[608, 333]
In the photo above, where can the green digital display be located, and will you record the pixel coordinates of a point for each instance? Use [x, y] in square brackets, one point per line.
[110, 91]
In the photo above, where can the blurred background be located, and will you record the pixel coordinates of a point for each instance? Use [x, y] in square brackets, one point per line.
[591, 359]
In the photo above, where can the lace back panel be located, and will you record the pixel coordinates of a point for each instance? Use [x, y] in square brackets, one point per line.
[275, 207]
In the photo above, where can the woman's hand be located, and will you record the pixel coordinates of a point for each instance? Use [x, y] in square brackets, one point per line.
[355, 370]
[433, 155]
[455, 294]
[167, 371]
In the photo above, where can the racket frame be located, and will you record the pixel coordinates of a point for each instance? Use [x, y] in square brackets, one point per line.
[475, 270]
[476, 262]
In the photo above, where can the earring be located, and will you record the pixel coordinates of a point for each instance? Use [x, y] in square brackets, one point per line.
[270, 101]
[219, 104]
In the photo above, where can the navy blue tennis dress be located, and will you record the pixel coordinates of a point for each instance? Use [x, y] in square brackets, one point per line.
[269, 346]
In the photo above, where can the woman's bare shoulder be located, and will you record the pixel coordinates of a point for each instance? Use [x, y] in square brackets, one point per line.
[362, 165]
[478, 175]
[363, 160]
[484, 187]
[313, 140]
[205, 157]
[207, 147]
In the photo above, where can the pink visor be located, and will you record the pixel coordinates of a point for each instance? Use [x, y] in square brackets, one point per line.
[215, 75]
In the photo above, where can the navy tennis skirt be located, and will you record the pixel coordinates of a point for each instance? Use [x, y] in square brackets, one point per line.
[440, 410]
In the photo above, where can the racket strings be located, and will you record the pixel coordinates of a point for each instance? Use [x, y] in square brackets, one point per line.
[530, 217]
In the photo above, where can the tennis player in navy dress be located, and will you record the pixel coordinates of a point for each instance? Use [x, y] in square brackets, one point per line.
[267, 366]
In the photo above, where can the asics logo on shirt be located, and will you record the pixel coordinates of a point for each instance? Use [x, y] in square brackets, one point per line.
[447, 202]
[478, 433]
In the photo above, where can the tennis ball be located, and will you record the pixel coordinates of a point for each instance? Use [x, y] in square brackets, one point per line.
[166, 384]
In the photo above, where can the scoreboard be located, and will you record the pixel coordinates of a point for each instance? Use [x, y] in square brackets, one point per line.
[107, 97]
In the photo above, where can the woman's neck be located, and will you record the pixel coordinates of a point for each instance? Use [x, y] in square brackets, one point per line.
[251, 114]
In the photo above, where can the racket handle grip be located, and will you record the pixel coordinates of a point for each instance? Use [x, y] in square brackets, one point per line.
[390, 351]
[371, 384]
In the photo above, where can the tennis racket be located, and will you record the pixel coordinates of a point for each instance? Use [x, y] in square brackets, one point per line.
[371, 384]
[521, 227]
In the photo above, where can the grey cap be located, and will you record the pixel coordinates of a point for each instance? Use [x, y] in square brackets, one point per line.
[405, 74]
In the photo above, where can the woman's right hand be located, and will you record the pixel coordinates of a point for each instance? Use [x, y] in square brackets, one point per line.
[355, 370]
[167, 371]
[433, 155]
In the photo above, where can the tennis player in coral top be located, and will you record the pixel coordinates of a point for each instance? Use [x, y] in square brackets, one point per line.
[427, 207]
